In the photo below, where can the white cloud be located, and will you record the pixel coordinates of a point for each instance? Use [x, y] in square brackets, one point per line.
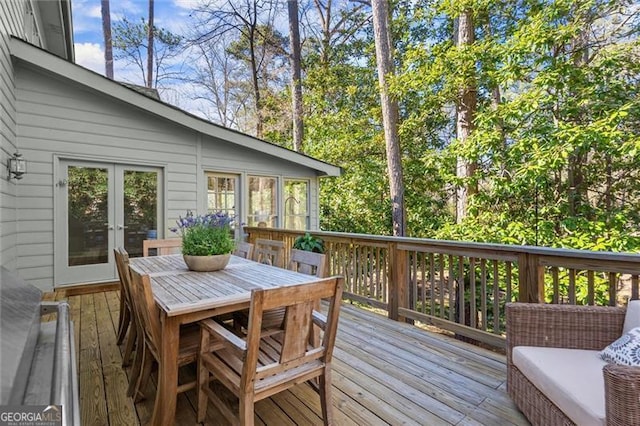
[94, 12]
[91, 56]
[188, 4]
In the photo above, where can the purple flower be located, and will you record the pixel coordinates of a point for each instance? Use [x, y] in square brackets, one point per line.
[213, 220]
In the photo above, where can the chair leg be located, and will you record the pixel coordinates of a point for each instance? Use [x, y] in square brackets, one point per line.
[123, 322]
[202, 378]
[203, 399]
[325, 396]
[131, 343]
[136, 369]
[246, 410]
[143, 379]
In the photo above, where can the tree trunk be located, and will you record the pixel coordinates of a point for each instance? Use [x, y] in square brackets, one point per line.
[255, 81]
[466, 110]
[296, 75]
[577, 191]
[150, 37]
[389, 106]
[108, 44]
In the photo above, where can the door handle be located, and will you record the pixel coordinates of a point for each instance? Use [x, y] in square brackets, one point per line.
[122, 227]
[109, 227]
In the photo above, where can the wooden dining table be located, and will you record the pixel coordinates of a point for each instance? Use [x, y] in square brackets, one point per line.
[184, 297]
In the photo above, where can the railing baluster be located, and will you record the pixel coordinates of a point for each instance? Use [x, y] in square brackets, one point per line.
[572, 286]
[509, 274]
[483, 293]
[496, 298]
[385, 276]
[634, 287]
[556, 285]
[473, 311]
[441, 286]
[613, 289]
[590, 288]
[461, 288]
[414, 281]
[452, 304]
[432, 284]
[371, 273]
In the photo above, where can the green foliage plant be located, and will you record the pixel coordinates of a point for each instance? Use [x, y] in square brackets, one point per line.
[308, 242]
[206, 235]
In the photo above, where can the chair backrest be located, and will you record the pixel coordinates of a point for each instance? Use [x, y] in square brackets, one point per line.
[298, 302]
[244, 250]
[168, 246]
[308, 263]
[148, 313]
[270, 252]
[122, 264]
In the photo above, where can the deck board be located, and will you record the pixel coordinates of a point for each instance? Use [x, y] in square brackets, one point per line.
[384, 372]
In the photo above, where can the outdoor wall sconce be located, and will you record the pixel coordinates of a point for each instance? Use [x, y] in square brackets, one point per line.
[17, 166]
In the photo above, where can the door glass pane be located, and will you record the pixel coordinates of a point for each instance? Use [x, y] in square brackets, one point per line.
[88, 207]
[296, 204]
[262, 202]
[140, 209]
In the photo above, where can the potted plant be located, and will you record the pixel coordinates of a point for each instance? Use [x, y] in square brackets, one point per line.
[308, 242]
[207, 241]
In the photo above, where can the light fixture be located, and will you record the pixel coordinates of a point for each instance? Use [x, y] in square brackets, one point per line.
[17, 166]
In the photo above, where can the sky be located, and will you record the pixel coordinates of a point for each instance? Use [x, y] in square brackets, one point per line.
[172, 15]
[87, 26]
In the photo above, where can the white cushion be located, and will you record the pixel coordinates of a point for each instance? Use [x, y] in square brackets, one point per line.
[571, 378]
[625, 350]
[632, 317]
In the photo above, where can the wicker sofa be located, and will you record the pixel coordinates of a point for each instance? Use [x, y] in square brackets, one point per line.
[582, 329]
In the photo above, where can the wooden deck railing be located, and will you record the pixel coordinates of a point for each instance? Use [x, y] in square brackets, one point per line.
[463, 286]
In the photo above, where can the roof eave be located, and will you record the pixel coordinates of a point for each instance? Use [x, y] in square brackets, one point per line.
[37, 57]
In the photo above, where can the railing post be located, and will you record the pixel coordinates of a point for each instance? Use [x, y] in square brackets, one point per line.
[531, 279]
[398, 281]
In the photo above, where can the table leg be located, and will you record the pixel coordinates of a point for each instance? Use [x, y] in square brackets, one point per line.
[164, 410]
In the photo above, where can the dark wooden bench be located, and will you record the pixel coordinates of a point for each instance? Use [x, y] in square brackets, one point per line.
[38, 358]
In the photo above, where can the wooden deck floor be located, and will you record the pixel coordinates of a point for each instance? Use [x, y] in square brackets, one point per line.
[384, 373]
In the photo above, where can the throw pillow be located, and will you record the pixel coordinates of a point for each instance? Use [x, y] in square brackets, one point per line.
[632, 317]
[625, 350]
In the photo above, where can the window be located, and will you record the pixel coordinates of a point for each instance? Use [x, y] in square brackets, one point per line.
[263, 205]
[31, 32]
[296, 204]
[222, 193]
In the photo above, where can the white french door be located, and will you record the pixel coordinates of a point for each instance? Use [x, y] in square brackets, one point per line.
[101, 206]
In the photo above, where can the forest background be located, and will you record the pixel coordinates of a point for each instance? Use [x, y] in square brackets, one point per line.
[515, 121]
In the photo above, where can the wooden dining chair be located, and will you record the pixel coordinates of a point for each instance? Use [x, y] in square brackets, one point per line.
[308, 262]
[163, 247]
[151, 331]
[254, 368]
[270, 252]
[305, 262]
[127, 319]
[244, 250]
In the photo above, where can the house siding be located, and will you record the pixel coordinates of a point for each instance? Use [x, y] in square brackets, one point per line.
[59, 119]
[11, 23]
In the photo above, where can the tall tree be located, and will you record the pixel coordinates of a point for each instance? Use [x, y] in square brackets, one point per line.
[218, 83]
[296, 75]
[108, 44]
[131, 45]
[465, 115]
[389, 105]
[231, 18]
[150, 38]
